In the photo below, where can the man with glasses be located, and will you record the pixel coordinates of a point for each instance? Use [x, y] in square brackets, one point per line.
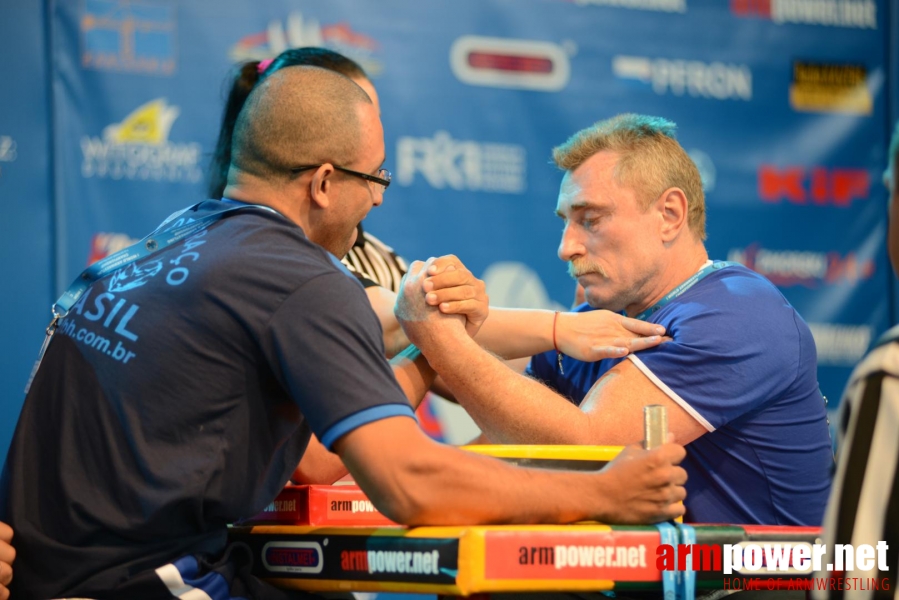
[178, 394]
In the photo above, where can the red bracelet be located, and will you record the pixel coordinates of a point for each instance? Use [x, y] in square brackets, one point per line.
[555, 318]
[555, 345]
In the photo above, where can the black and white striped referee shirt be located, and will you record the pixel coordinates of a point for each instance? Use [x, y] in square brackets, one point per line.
[864, 501]
[375, 263]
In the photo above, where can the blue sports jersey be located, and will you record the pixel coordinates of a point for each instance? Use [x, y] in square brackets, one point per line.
[742, 362]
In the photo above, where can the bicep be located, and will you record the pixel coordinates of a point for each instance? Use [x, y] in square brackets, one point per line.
[615, 407]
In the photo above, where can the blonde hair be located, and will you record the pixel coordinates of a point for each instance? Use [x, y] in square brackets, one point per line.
[650, 160]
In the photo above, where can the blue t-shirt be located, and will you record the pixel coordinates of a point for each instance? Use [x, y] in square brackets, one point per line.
[742, 362]
[178, 396]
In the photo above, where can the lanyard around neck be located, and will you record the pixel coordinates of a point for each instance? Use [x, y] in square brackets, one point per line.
[157, 240]
[683, 287]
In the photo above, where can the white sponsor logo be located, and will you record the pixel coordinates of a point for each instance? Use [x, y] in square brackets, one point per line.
[600, 556]
[840, 345]
[695, 78]
[8, 149]
[679, 6]
[462, 164]
[298, 31]
[399, 561]
[505, 63]
[833, 13]
[138, 148]
[783, 265]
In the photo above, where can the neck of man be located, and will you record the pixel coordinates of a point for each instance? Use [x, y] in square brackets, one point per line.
[248, 189]
[676, 269]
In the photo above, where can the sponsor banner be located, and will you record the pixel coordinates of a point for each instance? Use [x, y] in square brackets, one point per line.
[860, 14]
[324, 505]
[138, 148]
[444, 162]
[822, 186]
[830, 88]
[785, 268]
[508, 63]
[671, 6]
[841, 345]
[467, 559]
[603, 555]
[713, 80]
[131, 36]
[297, 30]
[351, 554]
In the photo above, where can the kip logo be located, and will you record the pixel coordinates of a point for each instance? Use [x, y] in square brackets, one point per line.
[138, 148]
[861, 14]
[128, 35]
[462, 164]
[818, 185]
[297, 31]
[786, 268]
[508, 63]
[293, 557]
[715, 80]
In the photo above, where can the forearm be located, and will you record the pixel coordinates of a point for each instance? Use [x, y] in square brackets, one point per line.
[413, 373]
[508, 407]
[517, 333]
[318, 465]
[439, 485]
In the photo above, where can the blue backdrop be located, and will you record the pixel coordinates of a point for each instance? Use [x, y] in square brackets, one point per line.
[110, 109]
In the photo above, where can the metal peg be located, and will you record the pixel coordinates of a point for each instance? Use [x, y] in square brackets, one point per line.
[655, 425]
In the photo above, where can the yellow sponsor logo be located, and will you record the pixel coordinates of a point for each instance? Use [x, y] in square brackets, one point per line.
[830, 88]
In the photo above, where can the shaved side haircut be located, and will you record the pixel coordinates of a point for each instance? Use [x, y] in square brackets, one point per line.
[297, 116]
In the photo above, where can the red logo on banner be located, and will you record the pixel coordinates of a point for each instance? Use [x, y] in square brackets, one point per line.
[745, 8]
[821, 186]
[104, 244]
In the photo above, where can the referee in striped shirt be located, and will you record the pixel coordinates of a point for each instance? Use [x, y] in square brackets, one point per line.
[864, 500]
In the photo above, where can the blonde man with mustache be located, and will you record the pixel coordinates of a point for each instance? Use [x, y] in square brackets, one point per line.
[738, 376]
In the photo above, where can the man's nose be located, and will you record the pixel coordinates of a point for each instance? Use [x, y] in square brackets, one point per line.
[571, 245]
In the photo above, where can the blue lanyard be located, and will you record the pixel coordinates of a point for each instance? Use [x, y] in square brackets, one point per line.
[683, 287]
[152, 243]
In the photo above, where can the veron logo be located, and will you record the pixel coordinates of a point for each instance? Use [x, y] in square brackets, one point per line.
[714, 80]
[509, 63]
[816, 185]
[297, 31]
[137, 148]
[834, 13]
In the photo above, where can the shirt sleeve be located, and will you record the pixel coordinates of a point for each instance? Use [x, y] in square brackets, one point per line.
[327, 345]
[733, 350]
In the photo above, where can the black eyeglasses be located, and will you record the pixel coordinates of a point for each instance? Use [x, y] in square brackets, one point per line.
[382, 179]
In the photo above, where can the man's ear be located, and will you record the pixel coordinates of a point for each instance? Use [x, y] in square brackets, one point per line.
[672, 207]
[321, 186]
